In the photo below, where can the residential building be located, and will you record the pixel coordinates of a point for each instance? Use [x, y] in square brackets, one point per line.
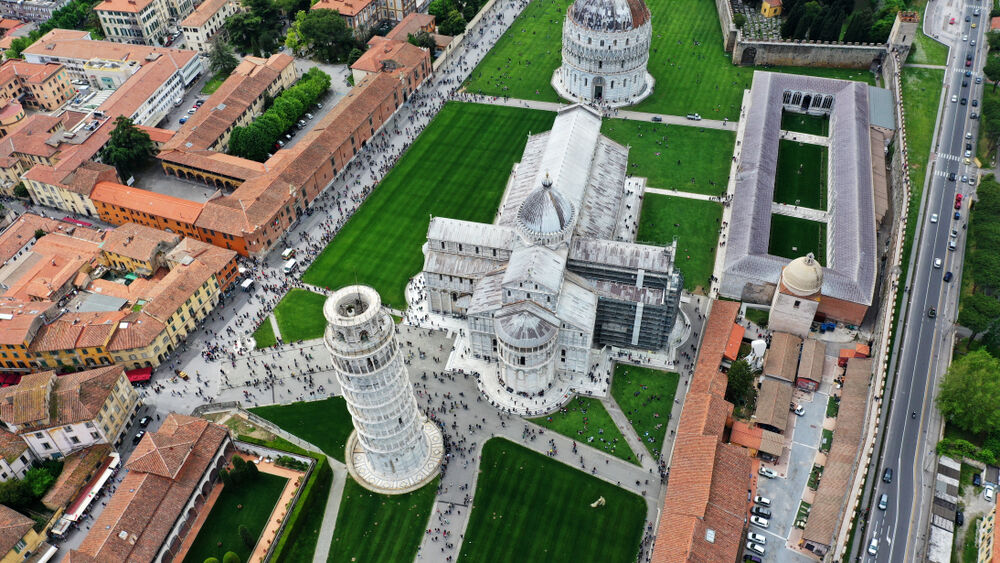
[30, 10]
[359, 15]
[18, 538]
[119, 204]
[170, 474]
[67, 188]
[57, 416]
[988, 537]
[183, 298]
[770, 8]
[75, 340]
[37, 86]
[135, 21]
[397, 10]
[19, 323]
[137, 248]
[15, 457]
[413, 24]
[207, 20]
[50, 270]
[78, 468]
[385, 55]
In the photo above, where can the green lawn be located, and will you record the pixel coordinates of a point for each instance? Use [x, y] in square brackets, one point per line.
[694, 222]
[585, 420]
[804, 123]
[926, 50]
[374, 527]
[646, 396]
[758, 317]
[264, 335]
[326, 424]
[827, 441]
[212, 84]
[529, 508]
[457, 168]
[258, 499]
[832, 407]
[672, 157]
[792, 237]
[692, 71]
[300, 315]
[801, 175]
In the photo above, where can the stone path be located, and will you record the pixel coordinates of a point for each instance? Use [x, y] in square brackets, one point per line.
[727, 210]
[274, 326]
[933, 67]
[804, 138]
[688, 195]
[331, 511]
[800, 212]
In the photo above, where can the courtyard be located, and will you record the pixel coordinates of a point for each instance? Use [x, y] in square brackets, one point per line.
[696, 225]
[801, 176]
[646, 396]
[805, 123]
[792, 237]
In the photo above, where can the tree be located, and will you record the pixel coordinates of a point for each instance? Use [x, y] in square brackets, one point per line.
[992, 70]
[993, 39]
[220, 56]
[249, 142]
[257, 29]
[354, 55]
[129, 148]
[15, 494]
[325, 34]
[831, 25]
[39, 480]
[453, 25]
[740, 388]
[39, 233]
[21, 191]
[970, 392]
[422, 39]
[231, 557]
[739, 20]
[979, 312]
[247, 537]
[212, 560]
[858, 26]
[791, 21]
[439, 9]
[292, 6]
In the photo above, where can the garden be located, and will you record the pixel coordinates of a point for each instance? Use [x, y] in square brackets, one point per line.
[792, 237]
[585, 420]
[646, 396]
[696, 225]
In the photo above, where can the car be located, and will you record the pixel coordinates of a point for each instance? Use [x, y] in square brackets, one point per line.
[760, 522]
[979, 80]
[657, 118]
[138, 437]
[951, 176]
[767, 472]
[761, 511]
[968, 62]
[958, 215]
[968, 135]
[279, 144]
[973, 42]
[182, 374]
[873, 547]
[988, 493]
[309, 116]
[883, 501]
[144, 421]
[965, 84]
[937, 265]
[966, 160]
[973, 26]
[887, 475]
[975, 103]
[755, 547]
[954, 98]
[798, 410]
[948, 276]
[964, 178]
[763, 501]
[287, 136]
[964, 101]
[977, 479]
[199, 103]
[974, 115]
[954, 233]
[319, 105]
[302, 123]
[958, 201]
[976, 13]
[752, 557]
[965, 38]
[694, 117]
[183, 120]
[757, 538]
[968, 18]
[952, 21]
[959, 517]
[968, 73]
[932, 312]
[968, 153]
[192, 110]
[934, 217]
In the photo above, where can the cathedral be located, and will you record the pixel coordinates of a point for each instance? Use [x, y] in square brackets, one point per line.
[558, 273]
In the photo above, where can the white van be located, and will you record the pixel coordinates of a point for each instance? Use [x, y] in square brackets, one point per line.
[290, 266]
[288, 254]
[247, 285]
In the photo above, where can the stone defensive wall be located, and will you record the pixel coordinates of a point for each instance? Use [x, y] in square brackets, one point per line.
[751, 52]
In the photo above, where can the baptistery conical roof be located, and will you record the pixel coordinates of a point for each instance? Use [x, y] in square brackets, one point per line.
[609, 15]
[545, 210]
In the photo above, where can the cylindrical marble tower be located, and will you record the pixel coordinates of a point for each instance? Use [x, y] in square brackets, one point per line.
[394, 448]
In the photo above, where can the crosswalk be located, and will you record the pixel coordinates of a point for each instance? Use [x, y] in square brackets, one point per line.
[954, 157]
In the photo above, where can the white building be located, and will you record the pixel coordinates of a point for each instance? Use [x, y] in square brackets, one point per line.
[135, 21]
[797, 297]
[394, 448]
[605, 52]
[15, 457]
[207, 19]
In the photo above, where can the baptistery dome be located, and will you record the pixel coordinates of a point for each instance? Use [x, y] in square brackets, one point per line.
[609, 15]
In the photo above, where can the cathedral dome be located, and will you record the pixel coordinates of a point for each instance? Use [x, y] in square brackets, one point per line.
[609, 15]
[545, 211]
[525, 330]
[803, 276]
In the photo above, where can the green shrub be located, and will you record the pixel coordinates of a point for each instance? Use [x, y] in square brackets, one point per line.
[307, 512]
[231, 557]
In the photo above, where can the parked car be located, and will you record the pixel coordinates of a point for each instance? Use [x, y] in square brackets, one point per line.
[138, 437]
[199, 103]
[883, 501]
[657, 118]
[760, 522]
[756, 538]
[948, 276]
[932, 312]
[988, 493]
[975, 103]
[958, 215]
[755, 547]
[887, 474]
[144, 421]
[761, 511]
[309, 116]
[952, 245]
[799, 410]
[183, 120]
[694, 117]
[959, 518]
[767, 472]
[958, 201]
[977, 478]
[763, 501]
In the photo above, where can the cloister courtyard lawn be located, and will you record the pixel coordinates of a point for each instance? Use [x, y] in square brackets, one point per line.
[646, 396]
[585, 420]
[674, 157]
[300, 315]
[374, 527]
[692, 71]
[264, 335]
[458, 168]
[694, 222]
[803, 123]
[792, 237]
[530, 508]
[257, 499]
[801, 175]
[326, 424]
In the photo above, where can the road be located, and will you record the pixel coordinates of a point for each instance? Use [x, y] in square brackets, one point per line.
[925, 348]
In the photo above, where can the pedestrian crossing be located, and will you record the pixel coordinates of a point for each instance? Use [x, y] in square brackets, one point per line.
[954, 157]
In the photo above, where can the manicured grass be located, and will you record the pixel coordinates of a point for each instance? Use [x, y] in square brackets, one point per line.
[264, 335]
[692, 71]
[300, 315]
[374, 527]
[970, 551]
[673, 157]
[587, 421]
[529, 508]
[804, 123]
[457, 168]
[792, 237]
[758, 317]
[827, 441]
[926, 50]
[257, 498]
[801, 176]
[832, 407]
[326, 424]
[212, 84]
[646, 396]
[694, 222]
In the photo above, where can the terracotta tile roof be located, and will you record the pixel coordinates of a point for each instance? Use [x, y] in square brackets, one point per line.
[413, 23]
[139, 242]
[79, 396]
[772, 443]
[742, 434]
[28, 401]
[132, 6]
[706, 415]
[830, 502]
[994, 23]
[203, 13]
[733, 344]
[21, 233]
[156, 134]
[177, 287]
[13, 526]
[147, 504]
[387, 54]
[35, 73]
[214, 162]
[347, 8]
[51, 267]
[813, 358]
[26, 318]
[707, 377]
[782, 358]
[78, 468]
[772, 404]
[137, 330]
[173, 208]
[76, 330]
[11, 445]
[215, 257]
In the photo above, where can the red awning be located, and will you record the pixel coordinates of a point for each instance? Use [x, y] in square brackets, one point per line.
[735, 339]
[139, 375]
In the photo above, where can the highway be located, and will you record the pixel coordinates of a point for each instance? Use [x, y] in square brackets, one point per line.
[924, 351]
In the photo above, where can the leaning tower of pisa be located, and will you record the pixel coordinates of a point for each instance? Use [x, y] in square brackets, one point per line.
[394, 448]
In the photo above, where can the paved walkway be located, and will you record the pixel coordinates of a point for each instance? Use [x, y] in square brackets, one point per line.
[688, 195]
[727, 209]
[800, 212]
[933, 67]
[274, 326]
[332, 510]
[804, 138]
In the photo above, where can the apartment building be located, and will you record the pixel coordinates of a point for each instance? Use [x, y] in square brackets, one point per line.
[207, 19]
[119, 204]
[144, 22]
[359, 15]
[136, 248]
[68, 190]
[57, 416]
[30, 10]
[15, 457]
[36, 86]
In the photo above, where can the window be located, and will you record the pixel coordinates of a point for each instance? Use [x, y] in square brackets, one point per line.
[74, 439]
[46, 446]
[95, 435]
[797, 303]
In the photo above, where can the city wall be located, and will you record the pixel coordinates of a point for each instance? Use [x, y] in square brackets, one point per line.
[805, 53]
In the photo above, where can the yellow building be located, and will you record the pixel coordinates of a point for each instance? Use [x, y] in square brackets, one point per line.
[18, 539]
[138, 248]
[770, 8]
[19, 323]
[986, 538]
[68, 189]
[183, 298]
[75, 340]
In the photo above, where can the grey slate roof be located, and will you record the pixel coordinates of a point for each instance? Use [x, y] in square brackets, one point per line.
[577, 304]
[468, 232]
[627, 255]
[881, 109]
[536, 265]
[459, 265]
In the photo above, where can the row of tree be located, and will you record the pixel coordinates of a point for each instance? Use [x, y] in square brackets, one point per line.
[968, 399]
[453, 15]
[256, 140]
[824, 20]
[324, 35]
[78, 14]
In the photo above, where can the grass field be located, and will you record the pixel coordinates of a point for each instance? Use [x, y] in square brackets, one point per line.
[374, 527]
[585, 420]
[457, 168]
[802, 123]
[264, 335]
[692, 71]
[695, 223]
[300, 315]
[792, 237]
[646, 396]
[212, 84]
[529, 508]
[801, 176]
[672, 157]
[926, 50]
[258, 499]
[326, 424]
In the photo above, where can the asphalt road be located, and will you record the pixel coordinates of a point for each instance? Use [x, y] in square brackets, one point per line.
[925, 347]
